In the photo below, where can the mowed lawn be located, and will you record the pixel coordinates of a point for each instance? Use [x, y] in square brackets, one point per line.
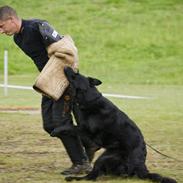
[28, 154]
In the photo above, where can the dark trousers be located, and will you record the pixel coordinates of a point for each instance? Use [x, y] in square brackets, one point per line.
[57, 121]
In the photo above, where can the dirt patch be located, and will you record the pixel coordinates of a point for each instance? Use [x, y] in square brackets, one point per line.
[18, 109]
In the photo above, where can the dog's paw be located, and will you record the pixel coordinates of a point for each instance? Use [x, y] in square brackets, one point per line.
[69, 179]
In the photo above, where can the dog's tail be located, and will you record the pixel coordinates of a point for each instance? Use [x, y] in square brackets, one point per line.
[158, 178]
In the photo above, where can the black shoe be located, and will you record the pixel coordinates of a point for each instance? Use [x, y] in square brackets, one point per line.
[78, 169]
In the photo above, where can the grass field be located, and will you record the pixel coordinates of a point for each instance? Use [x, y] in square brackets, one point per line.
[28, 154]
[134, 47]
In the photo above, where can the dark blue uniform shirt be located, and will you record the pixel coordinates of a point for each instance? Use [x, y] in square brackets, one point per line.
[30, 40]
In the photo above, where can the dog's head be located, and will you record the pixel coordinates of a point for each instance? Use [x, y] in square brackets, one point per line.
[84, 87]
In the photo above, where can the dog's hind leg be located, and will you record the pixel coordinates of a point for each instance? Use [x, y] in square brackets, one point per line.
[105, 164]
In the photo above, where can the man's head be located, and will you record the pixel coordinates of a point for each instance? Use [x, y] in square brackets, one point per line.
[9, 21]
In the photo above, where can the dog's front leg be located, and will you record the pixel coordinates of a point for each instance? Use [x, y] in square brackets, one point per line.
[98, 169]
[91, 176]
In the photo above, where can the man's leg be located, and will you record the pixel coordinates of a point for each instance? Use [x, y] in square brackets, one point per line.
[64, 130]
[46, 109]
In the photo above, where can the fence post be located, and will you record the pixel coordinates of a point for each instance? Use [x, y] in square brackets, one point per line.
[5, 72]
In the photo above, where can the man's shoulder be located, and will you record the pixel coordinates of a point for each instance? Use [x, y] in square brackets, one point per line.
[29, 27]
[32, 23]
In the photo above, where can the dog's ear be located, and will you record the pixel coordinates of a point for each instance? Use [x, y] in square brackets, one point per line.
[70, 74]
[94, 81]
[68, 69]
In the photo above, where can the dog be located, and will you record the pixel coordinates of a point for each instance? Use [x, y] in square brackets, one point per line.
[110, 128]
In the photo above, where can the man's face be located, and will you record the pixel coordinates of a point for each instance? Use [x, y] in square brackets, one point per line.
[8, 27]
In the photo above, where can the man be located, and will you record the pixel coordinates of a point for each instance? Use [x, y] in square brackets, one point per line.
[34, 40]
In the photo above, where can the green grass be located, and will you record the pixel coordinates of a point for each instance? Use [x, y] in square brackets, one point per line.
[20, 98]
[128, 41]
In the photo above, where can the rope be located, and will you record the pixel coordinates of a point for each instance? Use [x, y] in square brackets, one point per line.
[163, 154]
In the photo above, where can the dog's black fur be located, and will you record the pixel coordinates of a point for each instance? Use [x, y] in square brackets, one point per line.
[111, 129]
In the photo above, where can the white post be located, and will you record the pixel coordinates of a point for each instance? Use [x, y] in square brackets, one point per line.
[5, 72]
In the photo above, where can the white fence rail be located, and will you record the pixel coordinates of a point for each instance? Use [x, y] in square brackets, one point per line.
[16, 87]
[6, 85]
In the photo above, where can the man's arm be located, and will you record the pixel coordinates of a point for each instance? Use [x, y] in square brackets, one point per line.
[49, 34]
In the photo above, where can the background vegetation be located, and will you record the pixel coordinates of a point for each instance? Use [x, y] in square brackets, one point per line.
[126, 41]
[134, 47]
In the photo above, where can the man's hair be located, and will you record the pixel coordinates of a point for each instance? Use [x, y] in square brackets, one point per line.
[6, 12]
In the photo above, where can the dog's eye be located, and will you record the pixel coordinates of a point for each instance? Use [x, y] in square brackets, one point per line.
[73, 77]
